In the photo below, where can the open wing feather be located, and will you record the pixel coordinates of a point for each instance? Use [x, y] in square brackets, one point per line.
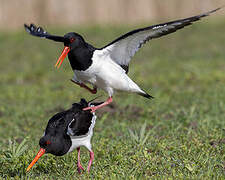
[123, 48]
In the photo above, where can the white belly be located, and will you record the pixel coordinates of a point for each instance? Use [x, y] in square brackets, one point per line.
[107, 75]
[85, 141]
[85, 77]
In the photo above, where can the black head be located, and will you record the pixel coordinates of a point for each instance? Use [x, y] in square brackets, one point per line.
[73, 40]
[55, 140]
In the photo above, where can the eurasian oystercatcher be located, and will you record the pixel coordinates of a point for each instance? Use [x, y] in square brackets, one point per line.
[68, 130]
[107, 67]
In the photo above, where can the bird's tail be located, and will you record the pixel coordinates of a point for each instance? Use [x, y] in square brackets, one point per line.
[146, 95]
[136, 89]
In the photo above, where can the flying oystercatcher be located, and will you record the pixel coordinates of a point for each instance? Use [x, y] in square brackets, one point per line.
[68, 130]
[107, 67]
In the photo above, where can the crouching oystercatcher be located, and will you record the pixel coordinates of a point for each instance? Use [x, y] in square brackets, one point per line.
[68, 130]
[107, 67]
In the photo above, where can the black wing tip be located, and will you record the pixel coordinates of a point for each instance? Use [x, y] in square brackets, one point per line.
[38, 31]
[190, 20]
[209, 12]
[216, 9]
[34, 30]
[27, 28]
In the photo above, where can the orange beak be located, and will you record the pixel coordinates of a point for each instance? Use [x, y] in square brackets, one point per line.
[39, 154]
[65, 51]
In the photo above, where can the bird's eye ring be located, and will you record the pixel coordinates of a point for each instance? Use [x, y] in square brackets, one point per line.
[72, 39]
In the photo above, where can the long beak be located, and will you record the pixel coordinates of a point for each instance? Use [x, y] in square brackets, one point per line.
[39, 154]
[65, 51]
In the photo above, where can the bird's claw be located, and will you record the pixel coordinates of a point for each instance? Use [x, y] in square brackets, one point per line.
[80, 168]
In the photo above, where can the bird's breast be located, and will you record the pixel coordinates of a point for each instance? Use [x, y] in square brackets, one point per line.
[85, 76]
[80, 60]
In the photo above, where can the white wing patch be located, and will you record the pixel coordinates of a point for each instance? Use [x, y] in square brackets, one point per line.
[123, 48]
[122, 51]
[157, 27]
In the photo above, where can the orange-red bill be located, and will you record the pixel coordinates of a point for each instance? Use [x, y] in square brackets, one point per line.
[39, 154]
[65, 51]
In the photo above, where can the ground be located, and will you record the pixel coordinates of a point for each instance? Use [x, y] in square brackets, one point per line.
[179, 134]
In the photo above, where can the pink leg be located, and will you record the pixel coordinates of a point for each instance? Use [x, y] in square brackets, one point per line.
[93, 91]
[94, 108]
[90, 161]
[79, 166]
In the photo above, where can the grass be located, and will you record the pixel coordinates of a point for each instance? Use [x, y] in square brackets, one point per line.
[179, 134]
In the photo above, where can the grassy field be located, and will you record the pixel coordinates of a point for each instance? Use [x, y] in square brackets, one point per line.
[178, 134]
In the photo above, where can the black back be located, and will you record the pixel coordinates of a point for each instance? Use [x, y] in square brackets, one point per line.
[81, 124]
[81, 119]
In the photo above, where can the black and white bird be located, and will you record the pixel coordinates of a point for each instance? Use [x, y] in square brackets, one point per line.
[107, 67]
[68, 130]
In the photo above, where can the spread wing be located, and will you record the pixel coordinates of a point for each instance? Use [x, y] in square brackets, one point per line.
[40, 32]
[123, 48]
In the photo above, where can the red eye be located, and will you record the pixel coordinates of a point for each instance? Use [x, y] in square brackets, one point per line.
[48, 142]
[72, 39]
